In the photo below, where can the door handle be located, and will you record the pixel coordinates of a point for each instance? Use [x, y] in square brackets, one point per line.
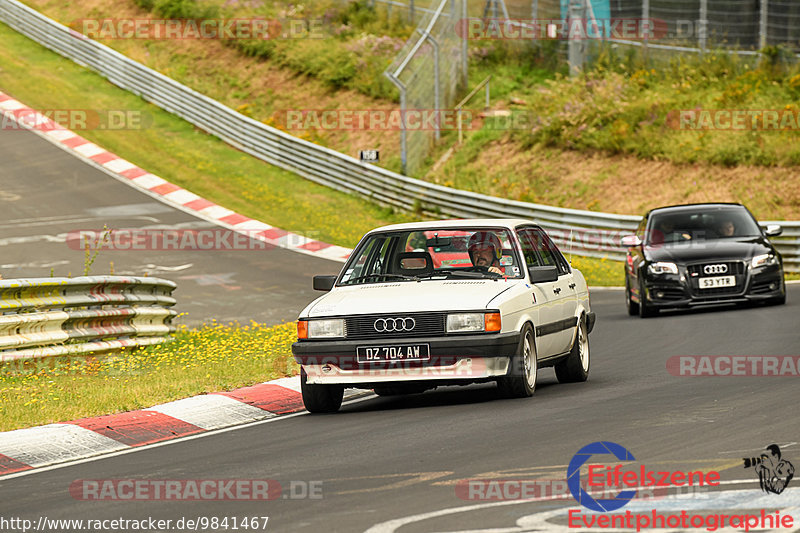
[571, 285]
[557, 290]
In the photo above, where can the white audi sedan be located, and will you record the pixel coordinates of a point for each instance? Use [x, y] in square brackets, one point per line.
[447, 302]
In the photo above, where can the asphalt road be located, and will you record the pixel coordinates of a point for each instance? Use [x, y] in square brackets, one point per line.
[388, 459]
[46, 193]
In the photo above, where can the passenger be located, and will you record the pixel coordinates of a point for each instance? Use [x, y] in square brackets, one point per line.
[726, 228]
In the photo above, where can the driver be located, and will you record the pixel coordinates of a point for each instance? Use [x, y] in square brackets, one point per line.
[485, 251]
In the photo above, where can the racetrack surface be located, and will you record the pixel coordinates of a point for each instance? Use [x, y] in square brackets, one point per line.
[383, 459]
[46, 193]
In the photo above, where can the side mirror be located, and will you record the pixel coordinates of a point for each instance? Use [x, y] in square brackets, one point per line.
[631, 240]
[773, 230]
[324, 283]
[543, 274]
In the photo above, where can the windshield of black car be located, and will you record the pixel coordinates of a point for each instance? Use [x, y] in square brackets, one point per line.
[435, 253]
[685, 226]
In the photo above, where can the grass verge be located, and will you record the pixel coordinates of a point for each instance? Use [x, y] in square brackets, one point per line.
[213, 358]
[180, 153]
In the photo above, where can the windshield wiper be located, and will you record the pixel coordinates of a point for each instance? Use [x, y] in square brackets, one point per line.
[387, 276]
[469, 274]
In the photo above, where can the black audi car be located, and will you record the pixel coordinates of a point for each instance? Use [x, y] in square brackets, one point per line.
[700, 254]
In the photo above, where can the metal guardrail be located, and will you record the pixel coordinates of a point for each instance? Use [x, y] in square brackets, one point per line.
[44, 317]
[585, 233]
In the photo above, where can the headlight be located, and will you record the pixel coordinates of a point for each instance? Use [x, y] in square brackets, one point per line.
[764, 260]
[326, 329]
[466, 322]
[662, 268]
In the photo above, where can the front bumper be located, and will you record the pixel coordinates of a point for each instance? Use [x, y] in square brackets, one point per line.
[681, 290]
[463, 358]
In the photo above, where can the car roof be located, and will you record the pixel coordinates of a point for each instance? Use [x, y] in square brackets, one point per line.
[693, 207]
[509, 223]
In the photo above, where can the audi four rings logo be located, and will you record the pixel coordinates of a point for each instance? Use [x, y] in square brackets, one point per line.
[715, 269]
[383, 325]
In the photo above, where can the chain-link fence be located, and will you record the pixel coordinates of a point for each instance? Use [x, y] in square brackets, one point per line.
[428, 71]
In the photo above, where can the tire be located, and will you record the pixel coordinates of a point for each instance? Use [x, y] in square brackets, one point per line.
[320, 398]
[575, 368]
[645, 309]
[778, 300]
[520, 381]
[633, 307]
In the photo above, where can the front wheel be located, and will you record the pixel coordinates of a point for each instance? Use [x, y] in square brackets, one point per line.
[633, 307]
[575, 368]
[520, 380]
[320, 398]
[645, 309]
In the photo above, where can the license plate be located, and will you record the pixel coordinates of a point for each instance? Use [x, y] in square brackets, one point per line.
[395, 352]
[719, 281]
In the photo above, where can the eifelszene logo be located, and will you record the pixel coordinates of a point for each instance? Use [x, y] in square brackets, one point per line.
[574, 476]
[624, 477]
[774, 473]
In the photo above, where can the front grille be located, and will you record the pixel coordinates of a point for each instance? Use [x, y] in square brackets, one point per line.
[734, 268]
[363, 326]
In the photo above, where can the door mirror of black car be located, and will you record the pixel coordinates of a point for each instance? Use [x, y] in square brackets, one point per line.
[324, 283]
[543, 274]
[631, 241]
[773, 230]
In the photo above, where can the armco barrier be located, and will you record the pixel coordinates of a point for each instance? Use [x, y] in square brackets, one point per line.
[581, 232]
[45, 317]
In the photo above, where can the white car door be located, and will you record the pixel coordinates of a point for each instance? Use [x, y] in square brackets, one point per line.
[547, 296]
[558, 325]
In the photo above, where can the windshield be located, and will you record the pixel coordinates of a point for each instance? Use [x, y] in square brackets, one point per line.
[480, 253]
[704, 225]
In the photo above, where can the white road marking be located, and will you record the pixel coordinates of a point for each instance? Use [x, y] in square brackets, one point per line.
[44, 445]
[212, 411]
[165, 443]
[788, 503]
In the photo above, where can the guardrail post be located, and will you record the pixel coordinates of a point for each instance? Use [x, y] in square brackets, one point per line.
[762, 24]
[464, 52]
[645, 17]
[702, 31]
[403, 140]
[436, 95]
[575, 46]
[411, 10]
